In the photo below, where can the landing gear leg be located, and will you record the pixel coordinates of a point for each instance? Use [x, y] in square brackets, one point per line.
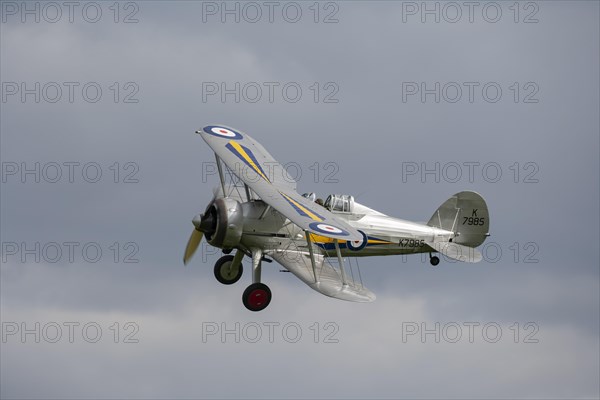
[256, 265]
[434, 260]
[257, 296]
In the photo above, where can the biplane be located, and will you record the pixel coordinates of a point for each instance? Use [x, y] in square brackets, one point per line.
[257, 213]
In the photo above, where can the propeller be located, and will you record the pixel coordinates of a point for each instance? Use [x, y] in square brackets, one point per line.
[192, 245]
[203, 224]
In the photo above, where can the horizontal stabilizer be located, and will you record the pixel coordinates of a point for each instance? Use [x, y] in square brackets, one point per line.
[457, 251]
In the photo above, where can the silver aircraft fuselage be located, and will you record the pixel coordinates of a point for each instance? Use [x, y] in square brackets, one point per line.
[382, 235]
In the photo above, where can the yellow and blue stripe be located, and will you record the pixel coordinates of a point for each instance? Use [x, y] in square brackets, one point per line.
[328, 243]
[247, 157]
[302, 210]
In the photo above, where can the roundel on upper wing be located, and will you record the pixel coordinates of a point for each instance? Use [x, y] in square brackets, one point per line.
[356, 245]
[328, 229]
[221, 131]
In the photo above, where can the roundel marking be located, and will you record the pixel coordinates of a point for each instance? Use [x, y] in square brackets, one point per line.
[221, 131]
[356, 245]
[328, 229]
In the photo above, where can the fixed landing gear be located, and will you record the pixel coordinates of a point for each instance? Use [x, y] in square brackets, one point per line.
[257, 296]
[229, 269]
[434, 260]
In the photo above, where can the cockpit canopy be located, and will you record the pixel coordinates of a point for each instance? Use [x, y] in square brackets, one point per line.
[335, 202]
[340, 203]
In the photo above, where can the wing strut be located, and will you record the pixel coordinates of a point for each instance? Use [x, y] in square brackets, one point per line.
[220, 168]
[341, 262]
[247, 191]
[455, 218]
[312, 255]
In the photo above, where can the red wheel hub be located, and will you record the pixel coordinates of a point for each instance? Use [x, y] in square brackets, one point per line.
[257, 298]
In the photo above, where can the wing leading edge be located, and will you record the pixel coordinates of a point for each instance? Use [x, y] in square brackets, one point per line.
[250, 162]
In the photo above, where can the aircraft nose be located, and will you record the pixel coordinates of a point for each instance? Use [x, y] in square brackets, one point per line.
[197, 220]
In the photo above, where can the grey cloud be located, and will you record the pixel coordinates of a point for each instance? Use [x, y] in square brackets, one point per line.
[369, 134]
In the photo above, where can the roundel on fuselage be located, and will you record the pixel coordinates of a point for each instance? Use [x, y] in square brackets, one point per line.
[356, 245]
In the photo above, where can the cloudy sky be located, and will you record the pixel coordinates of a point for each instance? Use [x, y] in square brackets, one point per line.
[400, 103]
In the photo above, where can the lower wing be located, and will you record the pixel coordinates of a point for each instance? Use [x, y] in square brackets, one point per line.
[328, 280]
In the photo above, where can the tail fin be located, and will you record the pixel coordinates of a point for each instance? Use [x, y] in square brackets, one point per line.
[465, 214]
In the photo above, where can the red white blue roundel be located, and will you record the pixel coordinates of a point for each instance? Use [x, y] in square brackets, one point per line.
[221, 131]
[328, 229]
[356, 245]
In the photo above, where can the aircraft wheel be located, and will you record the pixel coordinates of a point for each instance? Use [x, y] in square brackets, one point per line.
[435, 260]
[256, 297]
[224, 271]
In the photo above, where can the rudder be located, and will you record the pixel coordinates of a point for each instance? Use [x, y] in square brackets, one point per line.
[465, 214]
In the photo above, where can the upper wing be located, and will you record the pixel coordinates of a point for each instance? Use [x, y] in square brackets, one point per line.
[267, 178]
[329, 281]
[245, 156]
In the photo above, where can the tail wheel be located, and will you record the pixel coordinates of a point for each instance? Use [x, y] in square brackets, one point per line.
[225, 272]
[256, 297]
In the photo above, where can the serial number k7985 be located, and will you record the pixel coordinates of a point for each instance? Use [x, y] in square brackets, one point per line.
[473, 221]
[405, 242]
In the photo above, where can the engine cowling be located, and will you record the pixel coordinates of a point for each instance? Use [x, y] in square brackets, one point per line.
[228, 223]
